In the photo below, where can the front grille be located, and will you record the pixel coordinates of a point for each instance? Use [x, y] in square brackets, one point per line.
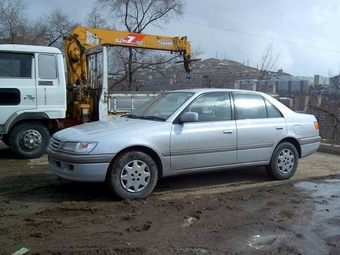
[54, 144]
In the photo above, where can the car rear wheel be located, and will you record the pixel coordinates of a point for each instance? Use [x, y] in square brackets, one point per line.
[133, 175]
[284, 162]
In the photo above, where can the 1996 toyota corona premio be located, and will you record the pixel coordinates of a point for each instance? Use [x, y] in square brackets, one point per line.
[185, 131]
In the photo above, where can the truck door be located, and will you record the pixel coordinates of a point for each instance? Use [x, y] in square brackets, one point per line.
[17, 84]
[50, 95]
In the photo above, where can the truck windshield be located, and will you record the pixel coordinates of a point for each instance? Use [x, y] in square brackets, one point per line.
[161, 107]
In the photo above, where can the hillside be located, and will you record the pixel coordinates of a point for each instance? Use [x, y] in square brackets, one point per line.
[205, 73]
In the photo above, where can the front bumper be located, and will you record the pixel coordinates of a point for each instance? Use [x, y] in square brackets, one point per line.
[83, 168]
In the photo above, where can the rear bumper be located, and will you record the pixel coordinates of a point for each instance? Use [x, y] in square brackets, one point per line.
[309, 145]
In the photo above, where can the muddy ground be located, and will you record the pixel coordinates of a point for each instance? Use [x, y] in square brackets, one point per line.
[232, 212]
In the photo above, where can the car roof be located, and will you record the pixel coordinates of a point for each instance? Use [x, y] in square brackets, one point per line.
[203, 90]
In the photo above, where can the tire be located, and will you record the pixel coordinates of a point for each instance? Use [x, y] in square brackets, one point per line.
[5, 140]
[133, 175]
[29, 140]
[284, 162]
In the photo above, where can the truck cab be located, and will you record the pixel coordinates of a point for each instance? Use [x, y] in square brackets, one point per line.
[32, 97]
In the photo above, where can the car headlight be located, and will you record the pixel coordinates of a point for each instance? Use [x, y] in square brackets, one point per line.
[80, 147]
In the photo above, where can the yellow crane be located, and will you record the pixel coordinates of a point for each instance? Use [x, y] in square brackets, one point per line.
[82, 39]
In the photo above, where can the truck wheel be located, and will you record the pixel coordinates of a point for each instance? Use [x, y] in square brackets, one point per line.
[133, 175]
[29, 140]
[284, 162]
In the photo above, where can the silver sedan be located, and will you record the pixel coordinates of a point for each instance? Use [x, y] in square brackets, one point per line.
[185, 131]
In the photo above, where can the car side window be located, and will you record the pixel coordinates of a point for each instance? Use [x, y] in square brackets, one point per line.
[213, 106]
[272, 111]
[248, 106]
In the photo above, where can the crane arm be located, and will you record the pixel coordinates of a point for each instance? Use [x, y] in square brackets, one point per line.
[82, 39]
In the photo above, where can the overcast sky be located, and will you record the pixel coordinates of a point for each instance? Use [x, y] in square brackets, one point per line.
[305, 33]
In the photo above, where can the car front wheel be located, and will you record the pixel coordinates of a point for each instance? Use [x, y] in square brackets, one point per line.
[284, 162]
[133, 175]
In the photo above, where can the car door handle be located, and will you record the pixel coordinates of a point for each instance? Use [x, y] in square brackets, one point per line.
[279, 128]
[228, 132]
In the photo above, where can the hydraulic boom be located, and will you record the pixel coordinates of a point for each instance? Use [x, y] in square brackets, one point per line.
[82, 39]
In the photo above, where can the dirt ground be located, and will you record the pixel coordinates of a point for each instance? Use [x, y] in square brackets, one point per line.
[232, 212]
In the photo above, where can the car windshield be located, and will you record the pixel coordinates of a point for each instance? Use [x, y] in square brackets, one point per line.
[161, 107]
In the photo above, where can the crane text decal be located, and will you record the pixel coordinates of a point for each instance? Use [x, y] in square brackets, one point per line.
[134, 39]
[165, 43]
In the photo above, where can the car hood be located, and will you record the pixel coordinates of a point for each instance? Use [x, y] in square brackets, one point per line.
[94, 130]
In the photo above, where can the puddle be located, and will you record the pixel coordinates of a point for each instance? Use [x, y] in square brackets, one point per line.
[194, 251]
[258, 241]
[189, 221]
[306, 227]
[326, 198]
[298, 243]
[329, 187]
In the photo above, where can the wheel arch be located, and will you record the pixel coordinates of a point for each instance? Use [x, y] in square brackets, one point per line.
[29, 116]
[294, 142]
[149, 152]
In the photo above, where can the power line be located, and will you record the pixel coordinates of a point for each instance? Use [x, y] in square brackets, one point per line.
[253, 27]
[261, 36]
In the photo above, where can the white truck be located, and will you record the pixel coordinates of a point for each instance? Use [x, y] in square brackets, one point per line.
[39, 94]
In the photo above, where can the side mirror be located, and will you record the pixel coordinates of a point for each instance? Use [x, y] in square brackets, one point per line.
[189, 117]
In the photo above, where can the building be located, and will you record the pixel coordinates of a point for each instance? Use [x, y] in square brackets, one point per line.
[334, 85]
[247, 84]
[289, 86]
[320, 80]
[285, 86]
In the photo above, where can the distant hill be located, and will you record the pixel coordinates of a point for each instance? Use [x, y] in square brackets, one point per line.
[205, 73]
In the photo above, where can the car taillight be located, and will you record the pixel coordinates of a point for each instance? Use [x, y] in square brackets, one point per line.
[316, 125]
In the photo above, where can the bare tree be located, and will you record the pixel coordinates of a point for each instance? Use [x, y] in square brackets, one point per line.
[135, 16]
[138, 63]
[268, 63]
[326, 109]
[16, 27]
[96, 19]
[13, 19]
[58, 25]
[50, 29]
[334, 83]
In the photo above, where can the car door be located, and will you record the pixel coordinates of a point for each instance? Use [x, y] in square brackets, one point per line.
[209, 142]
[17, 84]
[259, 127]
